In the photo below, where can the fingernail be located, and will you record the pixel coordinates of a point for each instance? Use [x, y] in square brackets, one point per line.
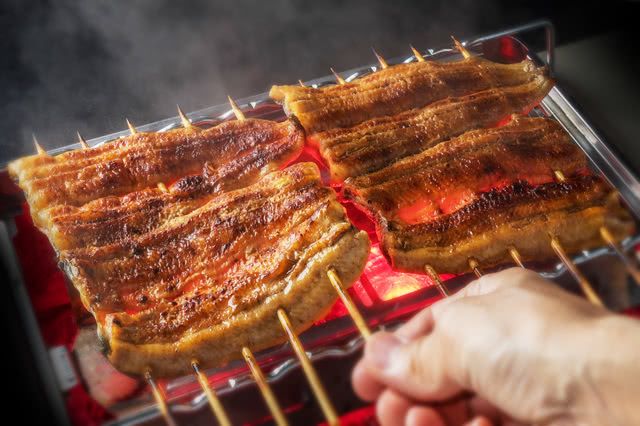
[380, 347]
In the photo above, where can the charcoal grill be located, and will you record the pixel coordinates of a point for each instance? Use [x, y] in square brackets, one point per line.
[384, 297]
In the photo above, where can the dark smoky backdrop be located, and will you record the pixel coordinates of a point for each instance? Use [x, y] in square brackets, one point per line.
[86, 65]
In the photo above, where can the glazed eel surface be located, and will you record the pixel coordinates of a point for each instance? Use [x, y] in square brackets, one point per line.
[207, 283]
[443, 178]
[378, 142]
[141, 160]
[113, 218]
[518, 215]
[396, 89]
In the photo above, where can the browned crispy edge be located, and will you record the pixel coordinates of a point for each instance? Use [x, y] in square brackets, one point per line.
[576, 230]
[306, 299]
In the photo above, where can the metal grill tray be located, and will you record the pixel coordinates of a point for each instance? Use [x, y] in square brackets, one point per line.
[338, 338]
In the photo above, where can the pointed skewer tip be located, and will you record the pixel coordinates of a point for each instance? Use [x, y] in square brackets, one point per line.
[236, 109]
[474, 265]
[39, 149]
[338, 77]
[131, 127]
[186, 123]
[383, 63]
[463, 50]
[82, 141]
[417, 54]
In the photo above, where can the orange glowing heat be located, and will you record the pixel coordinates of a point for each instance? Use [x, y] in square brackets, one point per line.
[401, 286]
[419, 211]
[425, 209]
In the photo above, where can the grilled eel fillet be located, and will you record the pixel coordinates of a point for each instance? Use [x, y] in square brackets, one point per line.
[396, 89]
[371, 145]
[110, 219]
[139, 161]
[206, 284]
[439, 179]
[517, 215]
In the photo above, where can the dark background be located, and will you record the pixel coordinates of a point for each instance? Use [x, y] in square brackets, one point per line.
[86, 65]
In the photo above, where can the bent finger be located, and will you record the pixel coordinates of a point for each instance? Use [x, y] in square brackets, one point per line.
[392, 408]
[423, 416]
[365, 385]
[422, 369]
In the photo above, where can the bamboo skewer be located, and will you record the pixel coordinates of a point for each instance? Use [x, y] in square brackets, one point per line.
[606, 235]
[82, 141]
[186, 123]
[360, 322]
[236, 110]
[358, 319]
[39, 149]
[160, 399]
[383, 63]
[417, 54]
[212, 397]
[312, 376]
[436, 278]
[267, 394]
[630, 264]
[131, 127]
[585, 285]
[515, 255]
[463, 50]
[588, 291]
[475, 266]
[338, 77]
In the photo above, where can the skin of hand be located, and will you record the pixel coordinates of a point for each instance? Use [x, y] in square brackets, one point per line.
[510, 348]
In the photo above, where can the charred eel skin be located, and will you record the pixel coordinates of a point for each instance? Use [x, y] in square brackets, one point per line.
[519, 215]
[396, 89]
[140, 161]
[207, 283]
[376, 143]
[437, 180]
[113, 218]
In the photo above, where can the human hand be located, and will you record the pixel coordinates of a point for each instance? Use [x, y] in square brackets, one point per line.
[510, 348]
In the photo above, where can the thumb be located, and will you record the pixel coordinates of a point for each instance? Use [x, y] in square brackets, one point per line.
[422, 369]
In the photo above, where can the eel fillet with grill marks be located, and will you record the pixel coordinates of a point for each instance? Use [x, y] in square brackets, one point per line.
[396, 89]
[206, 284]
[438, 180]
[373, 144]
[110, 219]
[139, 161]
[518, 215]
